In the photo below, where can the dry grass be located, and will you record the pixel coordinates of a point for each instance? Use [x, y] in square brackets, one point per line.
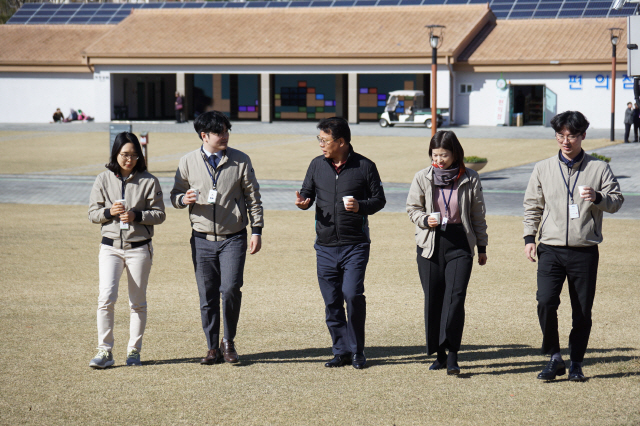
[48, 295]
[284, 157]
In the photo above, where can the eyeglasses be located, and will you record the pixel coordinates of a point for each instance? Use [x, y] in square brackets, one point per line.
[571, 138]
[322, 141]
[220, 135]
[129, 157]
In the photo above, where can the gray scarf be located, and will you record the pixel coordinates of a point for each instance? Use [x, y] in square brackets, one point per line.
[445, 177]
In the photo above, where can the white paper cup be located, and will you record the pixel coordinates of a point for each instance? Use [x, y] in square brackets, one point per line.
[345, 199]
[436, 216]
[123, 202]
[196, 192]
[581, 190]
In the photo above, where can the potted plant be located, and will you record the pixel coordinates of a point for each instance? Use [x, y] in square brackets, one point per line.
[474, 163]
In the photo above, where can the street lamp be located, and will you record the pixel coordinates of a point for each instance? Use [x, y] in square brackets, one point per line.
[435, 40]
[615, 37]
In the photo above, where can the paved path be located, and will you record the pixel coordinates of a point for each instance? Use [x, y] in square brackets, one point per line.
[504, 189]
[309, 128]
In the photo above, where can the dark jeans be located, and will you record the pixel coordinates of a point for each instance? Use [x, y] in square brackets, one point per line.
[341, 277]
[579, 266]
[445, 277]
[219, 267]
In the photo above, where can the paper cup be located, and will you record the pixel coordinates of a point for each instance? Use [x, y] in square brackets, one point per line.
[436, 216]
[581, 190]
[196, 192]
[345, 199]
[123, 202]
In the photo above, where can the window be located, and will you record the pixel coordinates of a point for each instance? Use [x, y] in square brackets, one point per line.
[465, 88]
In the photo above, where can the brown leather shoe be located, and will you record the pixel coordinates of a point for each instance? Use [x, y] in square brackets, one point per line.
[229, 351]
[213, 356]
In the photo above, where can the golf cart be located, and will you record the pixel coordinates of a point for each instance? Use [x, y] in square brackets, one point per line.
[406, 107]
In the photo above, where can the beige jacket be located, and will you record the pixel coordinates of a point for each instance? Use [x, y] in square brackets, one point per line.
[546, 202]
[238, 193]
[143, 196]
[470, 202]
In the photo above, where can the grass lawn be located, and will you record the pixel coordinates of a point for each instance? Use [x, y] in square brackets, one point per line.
[48, 294]
[284, 157]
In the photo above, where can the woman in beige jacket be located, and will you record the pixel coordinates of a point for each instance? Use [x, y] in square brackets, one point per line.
[445, 203]
[126, 201]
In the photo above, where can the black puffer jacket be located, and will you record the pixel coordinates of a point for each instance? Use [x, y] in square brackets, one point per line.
[359, 178]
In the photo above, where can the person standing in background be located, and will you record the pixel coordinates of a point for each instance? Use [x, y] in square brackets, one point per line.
[628, 121]
[179, 107]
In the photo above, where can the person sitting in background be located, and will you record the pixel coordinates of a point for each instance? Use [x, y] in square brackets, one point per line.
[58, 117]
[82, 116]
[73, 115]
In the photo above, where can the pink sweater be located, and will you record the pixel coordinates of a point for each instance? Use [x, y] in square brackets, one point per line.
[439, 204]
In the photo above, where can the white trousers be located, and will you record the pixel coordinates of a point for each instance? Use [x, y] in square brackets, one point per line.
[113, 261]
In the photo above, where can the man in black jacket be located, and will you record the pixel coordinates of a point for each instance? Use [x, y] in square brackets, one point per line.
[346, 188]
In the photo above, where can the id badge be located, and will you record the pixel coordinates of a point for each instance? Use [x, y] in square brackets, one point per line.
[213, 194]
[124, 225]
[574, 213]
[443, 227]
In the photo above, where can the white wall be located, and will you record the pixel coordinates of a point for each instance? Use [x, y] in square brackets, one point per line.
[479, 107]
[34, 97]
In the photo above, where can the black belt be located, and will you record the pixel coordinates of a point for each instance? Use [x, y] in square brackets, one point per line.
[135, 244]
[227, 236]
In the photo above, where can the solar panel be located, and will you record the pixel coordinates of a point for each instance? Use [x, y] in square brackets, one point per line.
[545, 14]
[523, 14]
[112, 13]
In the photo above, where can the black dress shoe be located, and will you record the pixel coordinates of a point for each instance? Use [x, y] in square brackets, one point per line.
[339, 361]
[554, 368]
[437, 365]
[359, 361]
[575, 373]
[452, 363]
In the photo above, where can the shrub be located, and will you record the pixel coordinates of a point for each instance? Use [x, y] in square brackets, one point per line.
[474, 159]
[600, 157]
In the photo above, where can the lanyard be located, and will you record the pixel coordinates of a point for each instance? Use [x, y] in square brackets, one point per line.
[214, 179]
[444, 198]
[124, 183]
[568, 181]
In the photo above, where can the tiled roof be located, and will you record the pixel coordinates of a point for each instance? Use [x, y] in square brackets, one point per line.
[541, 41]
[292, 33]
[47, 44]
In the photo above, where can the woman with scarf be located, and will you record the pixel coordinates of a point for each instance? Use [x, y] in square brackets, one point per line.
[445, 203]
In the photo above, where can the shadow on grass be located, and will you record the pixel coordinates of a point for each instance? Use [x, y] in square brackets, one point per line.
[499, 360]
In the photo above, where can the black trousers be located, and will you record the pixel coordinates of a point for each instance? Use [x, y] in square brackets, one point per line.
[627, 130]
[579, 266]
[444, 279]
[635, 131]
[341, 272]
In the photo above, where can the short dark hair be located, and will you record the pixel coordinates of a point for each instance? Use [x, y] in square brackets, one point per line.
[337, 127]
[574, 121]
[121, 140]
[211, 122]
[448, 140]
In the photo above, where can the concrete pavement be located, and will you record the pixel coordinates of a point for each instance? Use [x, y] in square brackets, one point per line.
[309, 128]
[504, 189]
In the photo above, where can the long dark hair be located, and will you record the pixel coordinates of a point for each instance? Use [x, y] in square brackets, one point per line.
[121, 140]
[448, 140]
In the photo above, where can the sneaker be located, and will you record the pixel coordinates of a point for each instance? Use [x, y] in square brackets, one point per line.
[103, 359]
[133, 357]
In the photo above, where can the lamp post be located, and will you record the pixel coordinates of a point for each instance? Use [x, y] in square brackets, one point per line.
[435, 40]
[615, 37]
